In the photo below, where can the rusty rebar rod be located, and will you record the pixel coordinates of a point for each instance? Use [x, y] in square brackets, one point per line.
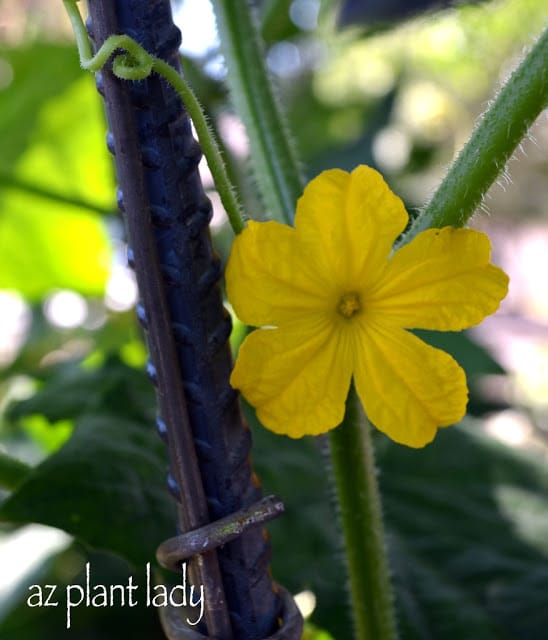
[167, 216]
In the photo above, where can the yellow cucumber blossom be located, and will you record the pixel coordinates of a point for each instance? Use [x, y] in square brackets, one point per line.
[333, 303]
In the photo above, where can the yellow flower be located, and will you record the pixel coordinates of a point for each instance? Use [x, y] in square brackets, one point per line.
[333, 303]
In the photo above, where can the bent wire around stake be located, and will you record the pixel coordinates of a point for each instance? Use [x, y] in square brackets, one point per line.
[173, 552]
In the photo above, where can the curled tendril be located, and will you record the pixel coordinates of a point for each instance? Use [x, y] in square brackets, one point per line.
[132, 62]
[126, 67]
[135, 63]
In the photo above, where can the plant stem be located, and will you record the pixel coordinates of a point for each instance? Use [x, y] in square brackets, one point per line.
[495, 138]
[277, 171]
[137, 64]
[12, 472]
[352, 457]
[275, 163]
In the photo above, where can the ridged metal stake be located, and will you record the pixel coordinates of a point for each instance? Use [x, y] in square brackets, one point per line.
[167, 216]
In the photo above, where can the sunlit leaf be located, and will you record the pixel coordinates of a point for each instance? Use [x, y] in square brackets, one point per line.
[31, 76]
[66, 152]
[55, 170]
[47, 246]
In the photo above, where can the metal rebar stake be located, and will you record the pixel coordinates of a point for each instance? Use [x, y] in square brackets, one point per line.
[167, 216]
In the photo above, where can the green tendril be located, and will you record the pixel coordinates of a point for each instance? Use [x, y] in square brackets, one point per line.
[137, 64]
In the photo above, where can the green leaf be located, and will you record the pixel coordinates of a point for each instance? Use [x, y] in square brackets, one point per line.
[54, 170]
[47, 248]
[39, 73]
[428, 602]
[71, 390]
[105, 486]
[470, 518]
[467, 523]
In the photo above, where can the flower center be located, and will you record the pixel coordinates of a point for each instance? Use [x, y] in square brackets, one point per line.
[349, 305]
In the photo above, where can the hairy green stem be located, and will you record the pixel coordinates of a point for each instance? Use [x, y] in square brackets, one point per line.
[276, 169]
[495, 138]
[138, 64]
[12, 472]
[273, 156]
[353, 461]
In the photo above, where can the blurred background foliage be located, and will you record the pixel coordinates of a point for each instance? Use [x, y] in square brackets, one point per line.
[396, 85]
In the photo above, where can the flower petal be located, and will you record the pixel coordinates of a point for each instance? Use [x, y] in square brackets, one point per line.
[296, 377]
[408, 388]
[442, 280]
[349, 223]
[268, 278]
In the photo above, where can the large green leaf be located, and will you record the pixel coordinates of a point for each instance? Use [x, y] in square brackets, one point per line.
[112, 467]
[468, 527]
[105, 486]
[473, 515]
[45, 247]
[38, 73]
[54, 171]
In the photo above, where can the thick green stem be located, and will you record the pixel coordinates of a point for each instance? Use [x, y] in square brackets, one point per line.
[495, 138]
[137, 64]
[353, 461]
[12, 472]
[273, 156]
